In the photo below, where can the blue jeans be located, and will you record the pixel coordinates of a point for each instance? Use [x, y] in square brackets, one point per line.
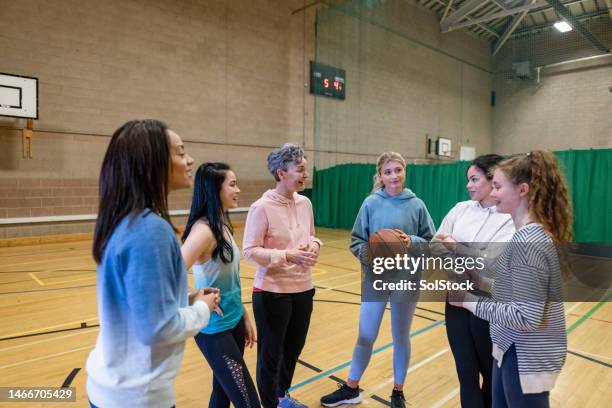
[507, 392]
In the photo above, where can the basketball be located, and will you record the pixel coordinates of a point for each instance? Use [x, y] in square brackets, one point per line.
[386, 243]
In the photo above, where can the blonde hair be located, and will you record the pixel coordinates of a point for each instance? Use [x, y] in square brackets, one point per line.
[383, 159]
[549, 202]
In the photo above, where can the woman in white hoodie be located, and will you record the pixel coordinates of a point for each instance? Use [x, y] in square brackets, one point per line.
[474, 228]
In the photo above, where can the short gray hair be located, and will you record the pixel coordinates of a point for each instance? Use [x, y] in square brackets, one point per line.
[281, 157]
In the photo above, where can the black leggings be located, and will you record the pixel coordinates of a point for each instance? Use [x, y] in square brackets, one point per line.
[471, 345]
[231, 378]
[282, 325]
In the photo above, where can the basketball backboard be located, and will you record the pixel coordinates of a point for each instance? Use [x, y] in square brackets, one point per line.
[18, 96]
[444, 147]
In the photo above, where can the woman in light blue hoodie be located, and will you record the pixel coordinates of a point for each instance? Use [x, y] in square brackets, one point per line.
[390, 206]
[145, 311]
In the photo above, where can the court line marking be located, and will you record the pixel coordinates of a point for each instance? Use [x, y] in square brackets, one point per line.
[334, 277]
[33, 343]
[347, 363]
[33, 360]
[449, 396]
[47, 261]
[336, 287]
[321, 270]
[594, 319]
[52, 327]
[446, 398]
[452, 394]
[373, 390]
[588, 314]
[590, 354]
[40, 282]
[455, 392]
[22, 292]
[574, 307]
[72, 280]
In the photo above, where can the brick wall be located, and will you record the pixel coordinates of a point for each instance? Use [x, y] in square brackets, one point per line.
[228, 76]
[571, 107]
[405, 81]
[231, 77]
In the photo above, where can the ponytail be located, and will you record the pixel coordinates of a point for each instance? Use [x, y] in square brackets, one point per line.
[549, 202]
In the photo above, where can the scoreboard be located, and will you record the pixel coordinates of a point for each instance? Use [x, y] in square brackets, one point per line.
[327, 81]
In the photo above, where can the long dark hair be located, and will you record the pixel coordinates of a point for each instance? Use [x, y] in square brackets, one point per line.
[134, 176]
[206, 203]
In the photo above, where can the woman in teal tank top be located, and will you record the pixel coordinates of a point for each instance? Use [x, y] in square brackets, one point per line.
[209, 248]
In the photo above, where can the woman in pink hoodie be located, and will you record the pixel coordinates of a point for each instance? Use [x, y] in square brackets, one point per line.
[280, 238]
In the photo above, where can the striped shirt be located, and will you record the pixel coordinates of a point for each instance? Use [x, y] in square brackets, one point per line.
[526, 309]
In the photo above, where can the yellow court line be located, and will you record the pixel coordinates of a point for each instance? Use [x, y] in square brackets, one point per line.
[326, 288]
[72, 280]
[347, 240]
[336, 277]
[43, 329]
[44, 261]
[41, 283]
[71, 269]
[321, 271]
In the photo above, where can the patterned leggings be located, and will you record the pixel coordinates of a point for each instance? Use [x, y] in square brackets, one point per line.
[231, 379]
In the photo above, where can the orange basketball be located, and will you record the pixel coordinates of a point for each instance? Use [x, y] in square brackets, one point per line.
[386, 243]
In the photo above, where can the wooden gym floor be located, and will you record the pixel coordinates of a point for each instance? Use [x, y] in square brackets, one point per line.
[48, 325]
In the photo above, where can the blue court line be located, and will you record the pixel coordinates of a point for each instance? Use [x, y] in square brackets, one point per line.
[343, 365]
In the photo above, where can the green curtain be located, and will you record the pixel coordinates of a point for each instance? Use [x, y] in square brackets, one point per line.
[590, 183]
[339, 191]
[440, 186]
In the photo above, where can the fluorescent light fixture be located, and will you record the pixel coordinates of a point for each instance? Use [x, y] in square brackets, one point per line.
[563, 26]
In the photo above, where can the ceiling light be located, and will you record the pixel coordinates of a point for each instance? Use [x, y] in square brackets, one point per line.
[563, 26]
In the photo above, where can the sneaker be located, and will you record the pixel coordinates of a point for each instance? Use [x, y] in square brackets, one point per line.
[288, 402]
[397, 399]
[343, 395]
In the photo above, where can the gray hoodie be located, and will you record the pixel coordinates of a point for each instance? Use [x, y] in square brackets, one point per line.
[379, 210]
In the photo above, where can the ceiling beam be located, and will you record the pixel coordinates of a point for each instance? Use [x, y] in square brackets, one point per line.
[539, 6]
[577, 25]
[499, 4]
[483, 26]
[543, 26]
[448, 8]
[493, 16]
[466, 8]
[510, 29]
